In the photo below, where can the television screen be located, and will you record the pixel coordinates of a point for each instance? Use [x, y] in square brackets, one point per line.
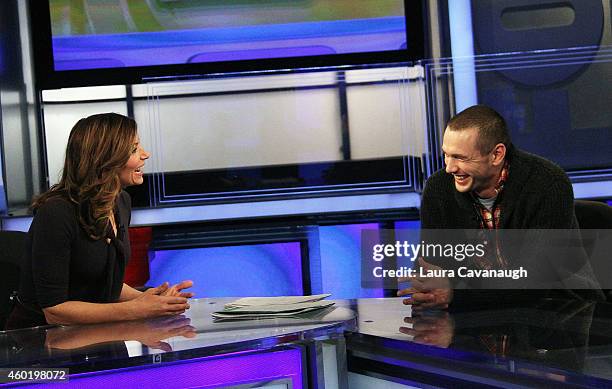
[265, 269]
[146, 38]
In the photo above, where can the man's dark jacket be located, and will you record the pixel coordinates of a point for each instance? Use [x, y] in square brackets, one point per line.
[537, 194]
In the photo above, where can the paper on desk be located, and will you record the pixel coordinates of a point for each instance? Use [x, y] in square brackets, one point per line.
[281, 300]
[271, 311]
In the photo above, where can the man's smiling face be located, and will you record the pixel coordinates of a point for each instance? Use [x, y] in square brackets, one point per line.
[472, 171]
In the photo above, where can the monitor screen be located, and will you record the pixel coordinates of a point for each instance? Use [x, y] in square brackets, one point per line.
[145, 38]
[265, 269]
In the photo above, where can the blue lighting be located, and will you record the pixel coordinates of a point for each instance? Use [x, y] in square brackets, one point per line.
[408, 225]
[589, 190]
[3, 206]
[236, 369]
[340, 248]
[462, 47]
[153, 216]
[115, 50]
[233, 271]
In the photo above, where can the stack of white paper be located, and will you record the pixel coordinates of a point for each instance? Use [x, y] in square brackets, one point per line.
[270, 307]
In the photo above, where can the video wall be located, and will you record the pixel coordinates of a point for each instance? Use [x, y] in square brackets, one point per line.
[111, 34]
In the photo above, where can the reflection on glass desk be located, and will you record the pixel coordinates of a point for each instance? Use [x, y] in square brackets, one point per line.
[183, 351]
[549, 342]
[360, 343]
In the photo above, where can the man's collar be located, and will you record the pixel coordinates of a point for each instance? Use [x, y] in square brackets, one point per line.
[503, 177]
[515, 181]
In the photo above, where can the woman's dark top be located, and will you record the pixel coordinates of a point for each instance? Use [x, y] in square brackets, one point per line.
[62, 263]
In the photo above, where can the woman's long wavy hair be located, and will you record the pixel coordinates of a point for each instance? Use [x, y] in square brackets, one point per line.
[98, 148]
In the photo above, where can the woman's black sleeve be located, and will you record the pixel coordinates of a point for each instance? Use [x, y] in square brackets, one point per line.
[53, 230]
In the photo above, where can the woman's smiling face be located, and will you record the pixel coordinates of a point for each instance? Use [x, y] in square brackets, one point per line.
[132, 173]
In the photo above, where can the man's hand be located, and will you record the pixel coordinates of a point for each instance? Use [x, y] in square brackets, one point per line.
[433, 328]
[427, 292]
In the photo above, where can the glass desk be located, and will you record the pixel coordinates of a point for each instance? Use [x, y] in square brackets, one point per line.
[362, 343]
[551, 342]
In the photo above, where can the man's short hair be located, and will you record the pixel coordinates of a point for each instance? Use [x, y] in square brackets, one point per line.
[491, 126]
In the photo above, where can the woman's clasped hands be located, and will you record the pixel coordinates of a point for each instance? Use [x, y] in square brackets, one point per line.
[163, 300]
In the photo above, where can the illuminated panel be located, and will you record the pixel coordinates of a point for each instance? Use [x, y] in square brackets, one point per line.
[89, 35]
[200, 373]
[408, 225]
[568, 124]
[233, 271]
[340, 248]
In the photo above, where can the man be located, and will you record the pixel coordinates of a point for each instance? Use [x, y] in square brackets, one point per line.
[488, 184]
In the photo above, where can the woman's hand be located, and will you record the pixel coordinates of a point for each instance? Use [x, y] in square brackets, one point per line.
[151, 304]
[149, 332]
[175, 290]
[152, 332]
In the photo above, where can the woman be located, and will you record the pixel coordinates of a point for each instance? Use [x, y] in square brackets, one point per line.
[77, 246]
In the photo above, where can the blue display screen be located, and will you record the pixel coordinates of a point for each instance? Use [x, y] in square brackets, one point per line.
[94, 35]
[273, 269]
